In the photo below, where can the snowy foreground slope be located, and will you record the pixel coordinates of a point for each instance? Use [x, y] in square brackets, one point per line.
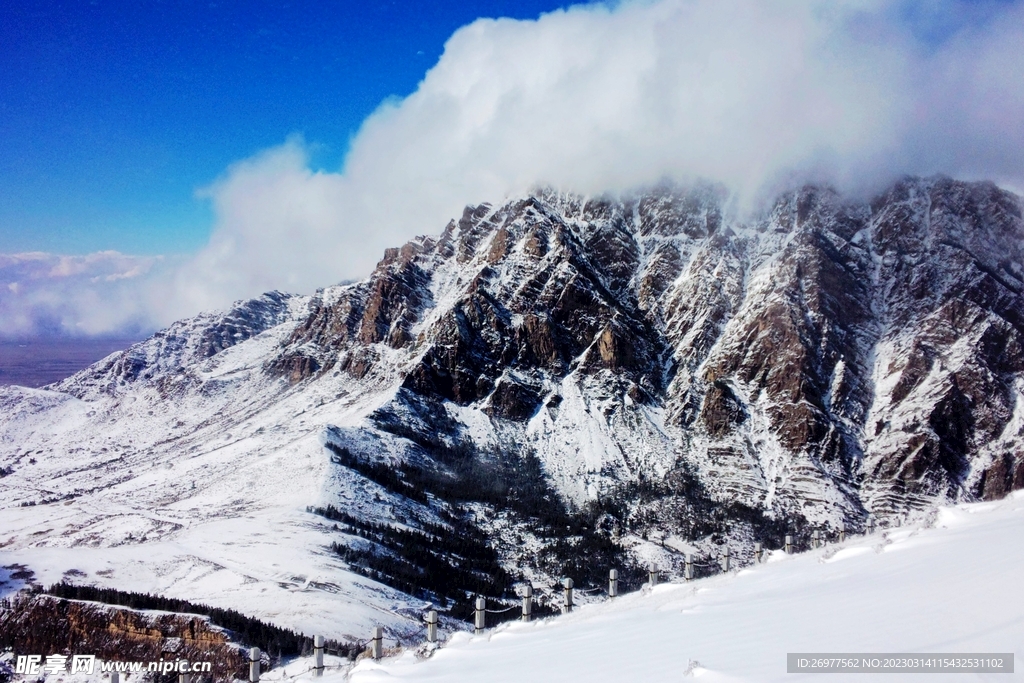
[949, 585]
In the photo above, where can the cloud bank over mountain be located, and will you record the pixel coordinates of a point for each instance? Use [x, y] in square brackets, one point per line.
[754, 95]
[98, 294]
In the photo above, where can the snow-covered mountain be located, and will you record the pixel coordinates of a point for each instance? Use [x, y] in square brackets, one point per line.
[550, 386]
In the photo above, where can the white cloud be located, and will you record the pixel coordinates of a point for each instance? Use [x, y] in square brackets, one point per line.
[744, 92]
[279, 226]
[749, 93]
[97, 294]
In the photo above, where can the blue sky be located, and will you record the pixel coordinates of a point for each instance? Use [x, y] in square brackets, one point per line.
[112, 113]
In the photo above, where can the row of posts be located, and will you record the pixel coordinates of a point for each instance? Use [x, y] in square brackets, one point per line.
[817, 538]
[480, 615]
[480, 612]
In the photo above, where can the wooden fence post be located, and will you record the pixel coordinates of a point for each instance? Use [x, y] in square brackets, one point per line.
[789, 544]
[688, 567]
[377, 642]
[318, 656]
[758, 552]
[725, 559]
[184, 677]
[652, 578]
[432, 626]
[613, 583]
[871, 524]
[528, 602]
[480, 619]
[815, 539]
[115, 677]
[254, 665]
[567, 584]
[842, 532]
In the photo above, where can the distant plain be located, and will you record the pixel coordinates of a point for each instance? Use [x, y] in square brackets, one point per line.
[36, 363]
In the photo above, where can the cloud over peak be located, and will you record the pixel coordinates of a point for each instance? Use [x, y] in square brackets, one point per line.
[755, 95]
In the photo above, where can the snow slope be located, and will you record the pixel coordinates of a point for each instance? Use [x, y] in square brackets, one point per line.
[201, 496]
[950, 585]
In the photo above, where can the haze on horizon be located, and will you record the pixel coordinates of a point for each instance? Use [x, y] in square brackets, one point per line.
[595, 98]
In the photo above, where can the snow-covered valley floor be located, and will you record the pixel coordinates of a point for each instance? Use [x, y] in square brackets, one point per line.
[952, 584]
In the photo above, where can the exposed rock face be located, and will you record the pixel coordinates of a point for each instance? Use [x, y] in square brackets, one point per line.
[946, 418]
[828, 358]
[41, 623]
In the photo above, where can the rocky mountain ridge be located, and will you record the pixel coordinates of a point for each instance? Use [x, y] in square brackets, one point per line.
[562, 382]
[856, 357]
